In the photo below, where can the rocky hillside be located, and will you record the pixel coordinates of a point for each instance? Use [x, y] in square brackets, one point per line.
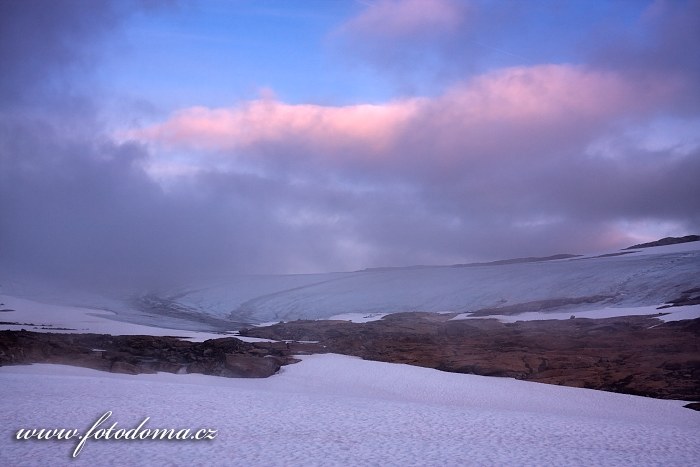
[633, 354]
[666, 241]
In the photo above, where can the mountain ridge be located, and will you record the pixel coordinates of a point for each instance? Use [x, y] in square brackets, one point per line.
[666, 241]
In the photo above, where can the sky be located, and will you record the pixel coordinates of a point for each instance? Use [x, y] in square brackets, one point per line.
[159, 141]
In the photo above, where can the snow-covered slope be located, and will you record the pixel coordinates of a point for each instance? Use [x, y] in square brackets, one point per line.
[20, 313]
[336, 410]
[629, 283]
[649, 276]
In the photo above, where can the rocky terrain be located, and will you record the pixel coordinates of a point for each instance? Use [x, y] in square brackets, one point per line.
[149, 354]
[635, 354]
[638, 355]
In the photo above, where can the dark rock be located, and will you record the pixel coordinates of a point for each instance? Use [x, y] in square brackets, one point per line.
[666, 241]
[246, 366]
[146, 354]
[124, 367]
[634, 355]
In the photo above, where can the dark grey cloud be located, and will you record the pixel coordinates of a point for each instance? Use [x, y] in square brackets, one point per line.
[661, 44]
[81, 208]
[41, 42]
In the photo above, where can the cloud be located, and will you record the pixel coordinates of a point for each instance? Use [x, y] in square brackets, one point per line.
[502, 164]
[423, 45]
[267, 121]
[662, 43]
[37, 39]
[535, 108]
[413, 40]
[518, 161]
[393, 19]
[80, 208]
[76, 205]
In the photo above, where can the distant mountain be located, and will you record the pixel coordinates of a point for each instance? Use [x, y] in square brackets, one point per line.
[555, 283]
[529, 259]
[666, 241]
[558, 283]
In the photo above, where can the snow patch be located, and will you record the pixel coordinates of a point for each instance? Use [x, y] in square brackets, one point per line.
[673, 314]
[359, 317]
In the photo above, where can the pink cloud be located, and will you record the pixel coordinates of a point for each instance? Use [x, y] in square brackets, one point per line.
[502, 114]
[514, 109]
[541, 93]
[324, 129]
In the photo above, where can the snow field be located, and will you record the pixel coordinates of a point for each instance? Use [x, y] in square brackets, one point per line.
[338, 410]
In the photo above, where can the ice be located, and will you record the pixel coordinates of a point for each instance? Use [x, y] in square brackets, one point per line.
[606, 286]
[646, 277]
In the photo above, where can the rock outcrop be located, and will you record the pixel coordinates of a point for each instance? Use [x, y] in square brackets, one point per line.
[228, 357]
[635, 354]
